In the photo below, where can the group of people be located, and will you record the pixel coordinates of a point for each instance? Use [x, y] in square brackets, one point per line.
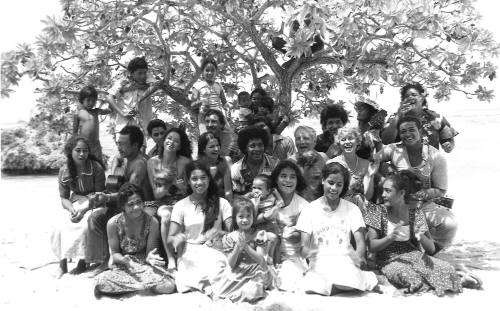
[254, 210]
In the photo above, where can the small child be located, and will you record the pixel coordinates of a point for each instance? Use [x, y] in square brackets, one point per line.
[86, 119]
[248, 275]
[208, 94]
[267, 204]
[244, 110]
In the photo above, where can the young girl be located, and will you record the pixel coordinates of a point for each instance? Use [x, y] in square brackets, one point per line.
[248, 275]
[326, 227]
[267, 203]
[208, 94]
[209, 154]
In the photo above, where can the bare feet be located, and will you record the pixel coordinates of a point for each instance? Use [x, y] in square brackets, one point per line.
[81, 266]
[97, 270]
[63, 268]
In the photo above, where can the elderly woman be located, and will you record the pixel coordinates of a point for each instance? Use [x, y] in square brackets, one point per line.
[413, 154]
[326, 226]
[166, 176]
[305, 140]
[133, 237]
[252, 141]
[288, 181]
[435, 128]
[196, 229]
[79, 179]
[361, 184]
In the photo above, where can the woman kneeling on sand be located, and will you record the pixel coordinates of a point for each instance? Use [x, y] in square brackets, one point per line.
[133, 238]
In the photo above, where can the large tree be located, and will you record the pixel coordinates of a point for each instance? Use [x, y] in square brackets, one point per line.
[365, 44]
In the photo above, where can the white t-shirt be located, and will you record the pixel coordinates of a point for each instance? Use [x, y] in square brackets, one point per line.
[191, 218]
[330, 231]
[287, 216]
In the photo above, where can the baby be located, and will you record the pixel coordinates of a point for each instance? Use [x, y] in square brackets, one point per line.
[267, 204]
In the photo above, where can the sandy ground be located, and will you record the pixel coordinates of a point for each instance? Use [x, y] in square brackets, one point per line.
[29, 203]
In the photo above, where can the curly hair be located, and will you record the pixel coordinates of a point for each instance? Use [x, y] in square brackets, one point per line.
[337, 168]
[137, 63]
[185, 146]
[409, 118]
[217, 113]
[301, 182]
[333, 111]
[408, 181]
[416, 86]
[135, 134]
[68, 152]
[351, 130]
[87, 92]
[155, 123]
[212, 206]
[242, 203]
[126, 191]
[251, 132]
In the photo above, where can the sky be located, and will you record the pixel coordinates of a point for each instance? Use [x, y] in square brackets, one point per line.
[18, 28]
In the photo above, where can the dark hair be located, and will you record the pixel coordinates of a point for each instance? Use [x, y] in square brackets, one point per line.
[206, 61]
[68, 151]
[211, 208]
[243, 93]
[135, 134]
[265, 119]
[216, 112]
[409, 118]
[251, 132]
[337, 168]
[239, 203]
[155, 123]
[309, 158]
[87, 92]
[415, 85]
[137, 63]
[268, 103]
[371, 110]
[259, 90]
[203, 142]
[266, 179]
[301, 182]
[126, 191]
[408, 181]
[185, 147]
[333, 111]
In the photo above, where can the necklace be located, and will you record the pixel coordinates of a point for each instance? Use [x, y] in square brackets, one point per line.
[354, 170]
[196, 203]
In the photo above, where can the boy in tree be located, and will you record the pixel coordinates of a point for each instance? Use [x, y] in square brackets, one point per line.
[86, 119]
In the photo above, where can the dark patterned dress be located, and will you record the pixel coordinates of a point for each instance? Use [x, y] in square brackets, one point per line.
[247, 281]
[405, 265]
[141, 275]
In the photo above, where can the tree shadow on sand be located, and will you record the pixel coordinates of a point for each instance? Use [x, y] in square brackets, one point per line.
[478, 255]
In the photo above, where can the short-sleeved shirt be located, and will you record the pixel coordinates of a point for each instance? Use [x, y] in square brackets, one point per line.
[241, 175]
[287, 216]
[212, 93]
[432, 171]
[331, 230]
[91, 179]
[126, 95]
[436, 129]
[190, 217]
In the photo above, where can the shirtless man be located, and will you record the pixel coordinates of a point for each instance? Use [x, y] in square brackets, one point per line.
[86, 120]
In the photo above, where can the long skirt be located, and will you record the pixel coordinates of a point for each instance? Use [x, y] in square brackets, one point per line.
[141, 276]
[68, 239]
[198, 268]
[245, 283]
[340, 270]
[290, 274]
[417, 272]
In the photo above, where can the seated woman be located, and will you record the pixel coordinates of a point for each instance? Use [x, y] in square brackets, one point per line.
[196, 230]
[247, 276]
[399, 236]
[435, 128]
[220, 167]
[361, 184]
[326, 226]
[430, 166]
[252, 141]
[79, 179]
[311, 163]
[287, 179]
[305, 140]
[166, 176]
[133, 238]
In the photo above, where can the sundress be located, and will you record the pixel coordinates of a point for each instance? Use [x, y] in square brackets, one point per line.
[247, 281]
[141, 276]
[405, 265]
